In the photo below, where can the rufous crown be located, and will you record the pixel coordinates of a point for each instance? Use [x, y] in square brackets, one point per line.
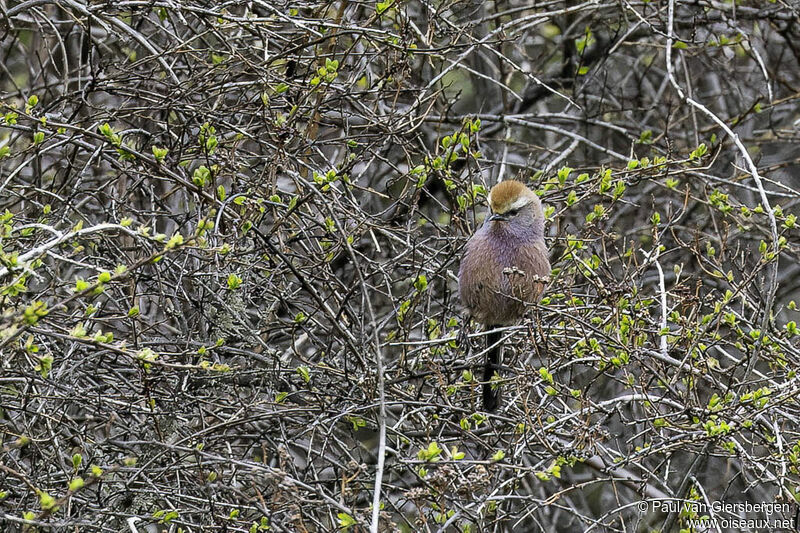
[509, 195]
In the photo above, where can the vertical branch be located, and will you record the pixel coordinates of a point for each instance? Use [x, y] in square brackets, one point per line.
[751, 167]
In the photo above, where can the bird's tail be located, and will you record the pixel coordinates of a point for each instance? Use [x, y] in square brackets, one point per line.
[491, 394]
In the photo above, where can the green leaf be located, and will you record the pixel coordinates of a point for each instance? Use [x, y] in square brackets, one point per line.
[234, 282]
[304, 373]
[47, 502]
[45, 365]
[381, 7]
[699, 152]
[619, 189]
[431, 453]
[108, 132]
[201, 176]
[563, 174]
[345, 520]
[585, 41]
[159, 153]
[174, 241]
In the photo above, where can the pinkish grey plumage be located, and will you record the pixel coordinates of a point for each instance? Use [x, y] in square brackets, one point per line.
[504, 263]
[503, 269]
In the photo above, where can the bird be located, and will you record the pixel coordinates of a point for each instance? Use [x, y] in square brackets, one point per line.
[503, 269]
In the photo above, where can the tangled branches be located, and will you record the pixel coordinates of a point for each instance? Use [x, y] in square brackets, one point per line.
[228, 245]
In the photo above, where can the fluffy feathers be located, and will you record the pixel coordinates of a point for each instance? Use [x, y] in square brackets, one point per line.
[504, 269]
[509, 195]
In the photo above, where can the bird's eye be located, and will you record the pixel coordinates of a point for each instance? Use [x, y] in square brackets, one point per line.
[512, 212]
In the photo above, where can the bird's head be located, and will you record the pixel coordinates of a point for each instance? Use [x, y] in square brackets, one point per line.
[511, 201]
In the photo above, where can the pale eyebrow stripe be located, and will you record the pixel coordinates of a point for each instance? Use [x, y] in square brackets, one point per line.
[520, 202]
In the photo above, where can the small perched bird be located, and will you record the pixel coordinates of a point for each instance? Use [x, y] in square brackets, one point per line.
[504, 267]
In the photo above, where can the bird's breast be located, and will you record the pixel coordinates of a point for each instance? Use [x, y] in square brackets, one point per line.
[499, 275]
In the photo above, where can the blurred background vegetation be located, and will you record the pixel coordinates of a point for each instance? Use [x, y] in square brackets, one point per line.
[228, 238]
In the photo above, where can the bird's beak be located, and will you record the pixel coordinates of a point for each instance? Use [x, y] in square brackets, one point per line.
[497, 216]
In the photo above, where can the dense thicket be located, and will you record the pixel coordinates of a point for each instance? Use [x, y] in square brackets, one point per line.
[228, 238]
